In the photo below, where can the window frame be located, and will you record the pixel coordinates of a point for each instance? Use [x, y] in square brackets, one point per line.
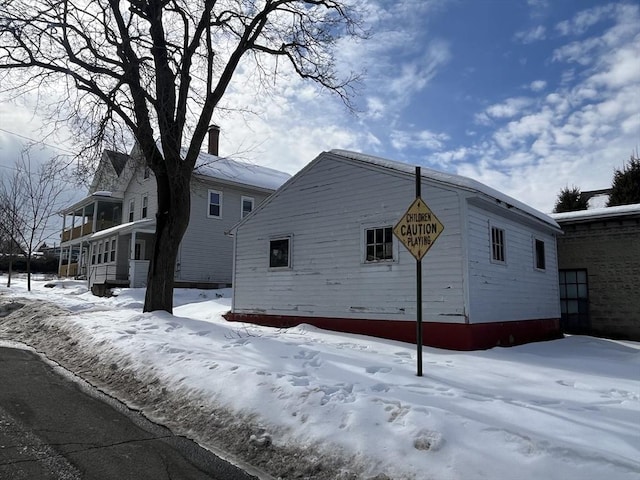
[279, 238]
[386, 228]
[132, 209]
[145, 206]
[537, 257]
[574, 300]
[243, 198]
[497, 246]
[112, 254]
[209, 204]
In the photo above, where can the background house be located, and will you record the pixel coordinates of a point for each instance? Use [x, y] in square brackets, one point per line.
[112, 233]
[321, 251]
[599, 261]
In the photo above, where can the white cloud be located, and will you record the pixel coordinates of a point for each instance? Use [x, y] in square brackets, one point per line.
[401, 140]
[417, 73]
[376, 108]
[574, 135]
[535, 34]
[538, 85]
[507, 109]
[586, 19]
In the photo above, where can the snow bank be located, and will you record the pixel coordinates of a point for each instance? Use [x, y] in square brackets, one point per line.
[307, 403]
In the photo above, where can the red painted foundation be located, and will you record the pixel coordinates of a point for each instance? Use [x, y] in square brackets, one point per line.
[452, 336]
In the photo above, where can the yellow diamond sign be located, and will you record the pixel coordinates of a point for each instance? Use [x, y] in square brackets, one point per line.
[418, 229]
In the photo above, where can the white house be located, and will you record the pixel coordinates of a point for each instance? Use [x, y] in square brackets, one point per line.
[111, 234]
[321, 251]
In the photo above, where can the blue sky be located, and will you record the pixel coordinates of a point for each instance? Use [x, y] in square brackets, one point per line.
[525, 96]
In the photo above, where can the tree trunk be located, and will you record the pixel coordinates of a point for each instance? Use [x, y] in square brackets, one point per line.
[29, 272]
[10, 270]
[172, 219]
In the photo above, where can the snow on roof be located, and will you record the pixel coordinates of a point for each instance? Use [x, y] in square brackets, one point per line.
[448, 179]
[125, 228]
[239, 172]
[597, 213]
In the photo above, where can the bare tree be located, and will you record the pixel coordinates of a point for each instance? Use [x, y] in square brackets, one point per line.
[31, 197]
[159, 69]
[11, 221]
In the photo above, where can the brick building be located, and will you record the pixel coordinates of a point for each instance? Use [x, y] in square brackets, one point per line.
[599, 263]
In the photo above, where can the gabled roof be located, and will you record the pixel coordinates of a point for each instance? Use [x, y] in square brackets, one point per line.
[606, 213]
[435, 176]
[449, 179]
[235, 171]
[118, 160]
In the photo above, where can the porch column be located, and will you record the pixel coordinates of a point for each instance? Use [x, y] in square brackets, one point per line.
[64, 221]
[69, 259]
[132, 263]
[132, 253]
[94, 221]
[83, 222]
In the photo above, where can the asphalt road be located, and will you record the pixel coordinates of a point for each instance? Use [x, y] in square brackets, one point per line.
[53, 428]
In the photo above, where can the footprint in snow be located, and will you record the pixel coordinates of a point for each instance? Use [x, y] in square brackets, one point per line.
[378, 369]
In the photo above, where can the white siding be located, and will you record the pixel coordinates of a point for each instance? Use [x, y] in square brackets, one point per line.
[139, 187]
[325, 210]
[206, 253]
[515, 290]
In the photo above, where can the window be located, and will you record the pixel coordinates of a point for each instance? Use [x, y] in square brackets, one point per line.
[145, 203]
[539, 254]
[247, 206]
[113, 250]
[279, 253]
[132, 207]
[215, 204]
[378, 244]
[497, 245]
[138, 250]
[93, 254]
[100, 248]
[574, 301]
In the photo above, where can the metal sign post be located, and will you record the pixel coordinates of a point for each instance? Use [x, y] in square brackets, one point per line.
[418, 229]
[418, 291]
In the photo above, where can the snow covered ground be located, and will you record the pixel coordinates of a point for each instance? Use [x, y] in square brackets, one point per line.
[307, 403]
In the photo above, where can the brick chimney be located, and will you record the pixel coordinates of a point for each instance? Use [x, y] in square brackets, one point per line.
[214, 138]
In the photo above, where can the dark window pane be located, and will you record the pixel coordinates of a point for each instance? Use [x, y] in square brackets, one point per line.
[540, 260]
[279, 253]
[582, 291]
[370, 252]
[379, 244]
[572, 306]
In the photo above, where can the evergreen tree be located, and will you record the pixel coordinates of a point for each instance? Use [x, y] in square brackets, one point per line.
[570, 200]
[625, 189]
